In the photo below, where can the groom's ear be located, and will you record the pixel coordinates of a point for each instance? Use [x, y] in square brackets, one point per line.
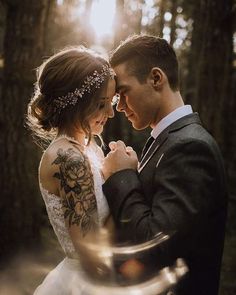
[157, 78]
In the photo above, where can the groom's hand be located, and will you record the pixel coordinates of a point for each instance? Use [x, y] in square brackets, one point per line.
[119, 158]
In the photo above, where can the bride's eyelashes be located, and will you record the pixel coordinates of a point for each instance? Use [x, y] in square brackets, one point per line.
[104, 102]
[101, 105]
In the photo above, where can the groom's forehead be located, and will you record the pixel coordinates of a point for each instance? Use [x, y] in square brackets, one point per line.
[121, 71]
[122, 77]
[119, 83]
[126, 83]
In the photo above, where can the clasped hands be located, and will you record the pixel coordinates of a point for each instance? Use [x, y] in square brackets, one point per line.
[120, 157]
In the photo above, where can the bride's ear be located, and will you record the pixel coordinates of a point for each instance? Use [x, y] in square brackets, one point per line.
[157, 78]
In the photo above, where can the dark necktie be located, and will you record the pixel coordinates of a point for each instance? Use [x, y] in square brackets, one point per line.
[147, 145]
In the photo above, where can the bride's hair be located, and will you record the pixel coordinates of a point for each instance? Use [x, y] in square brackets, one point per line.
[67, 90]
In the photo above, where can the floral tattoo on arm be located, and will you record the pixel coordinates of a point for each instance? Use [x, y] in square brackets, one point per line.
[76, 180]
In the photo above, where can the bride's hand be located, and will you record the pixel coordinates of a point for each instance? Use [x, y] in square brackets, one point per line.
[119, 158]
[113, 146]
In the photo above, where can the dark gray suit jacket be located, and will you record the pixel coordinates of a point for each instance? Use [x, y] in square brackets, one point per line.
[180, 189]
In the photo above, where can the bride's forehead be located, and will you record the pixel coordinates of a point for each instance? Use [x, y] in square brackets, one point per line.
[110, 89]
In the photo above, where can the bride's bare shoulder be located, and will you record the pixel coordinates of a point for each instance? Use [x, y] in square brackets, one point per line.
[59, 152]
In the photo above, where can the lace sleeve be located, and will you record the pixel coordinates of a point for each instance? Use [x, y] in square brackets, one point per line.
[77, 191]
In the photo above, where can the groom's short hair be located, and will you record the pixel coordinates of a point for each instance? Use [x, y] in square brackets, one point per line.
[143, 52]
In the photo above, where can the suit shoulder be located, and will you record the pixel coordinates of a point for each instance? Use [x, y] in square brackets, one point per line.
[193, 132]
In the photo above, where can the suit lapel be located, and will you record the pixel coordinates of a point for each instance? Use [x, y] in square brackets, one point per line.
[182, 122]
[154, 147]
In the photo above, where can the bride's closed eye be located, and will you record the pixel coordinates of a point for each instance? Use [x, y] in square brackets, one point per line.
[105, 101]
[101, 105]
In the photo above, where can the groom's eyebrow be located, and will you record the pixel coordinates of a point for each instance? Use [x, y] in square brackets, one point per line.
[120, 87]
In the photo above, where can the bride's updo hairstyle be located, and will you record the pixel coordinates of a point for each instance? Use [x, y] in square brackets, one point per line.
[67, 92]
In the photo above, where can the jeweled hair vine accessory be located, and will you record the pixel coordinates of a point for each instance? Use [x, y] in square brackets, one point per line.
[92, 81]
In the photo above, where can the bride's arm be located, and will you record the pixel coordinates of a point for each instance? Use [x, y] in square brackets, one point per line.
[76, 187]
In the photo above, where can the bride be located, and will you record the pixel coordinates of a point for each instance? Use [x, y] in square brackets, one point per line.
[72, 101]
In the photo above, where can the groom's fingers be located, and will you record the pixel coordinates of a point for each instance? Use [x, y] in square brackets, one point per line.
[133, 154]
[129, 149]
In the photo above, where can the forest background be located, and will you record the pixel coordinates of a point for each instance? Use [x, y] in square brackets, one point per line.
[203, 34]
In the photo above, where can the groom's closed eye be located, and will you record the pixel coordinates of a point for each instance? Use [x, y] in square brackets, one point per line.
[122, 90]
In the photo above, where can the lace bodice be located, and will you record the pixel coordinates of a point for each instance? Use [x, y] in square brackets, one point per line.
[54, 203]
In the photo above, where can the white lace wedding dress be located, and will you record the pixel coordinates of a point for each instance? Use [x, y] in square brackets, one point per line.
[67, 277]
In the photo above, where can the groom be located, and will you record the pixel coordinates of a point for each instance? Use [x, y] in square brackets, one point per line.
[179, 186]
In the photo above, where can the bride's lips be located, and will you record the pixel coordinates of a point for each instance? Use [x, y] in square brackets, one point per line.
[102, 122]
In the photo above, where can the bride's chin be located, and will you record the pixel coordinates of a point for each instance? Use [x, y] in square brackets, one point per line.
[97, 131]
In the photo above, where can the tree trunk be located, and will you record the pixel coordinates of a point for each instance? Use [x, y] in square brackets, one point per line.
[139, 16]
[210, 66]
[160, 20]
[158, 23]
[23, 48]
[173, 11]
[119, 23]
[88, 34]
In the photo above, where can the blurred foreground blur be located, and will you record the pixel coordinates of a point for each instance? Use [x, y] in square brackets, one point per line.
[26, 272]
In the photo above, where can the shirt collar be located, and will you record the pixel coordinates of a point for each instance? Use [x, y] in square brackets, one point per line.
[171, 118]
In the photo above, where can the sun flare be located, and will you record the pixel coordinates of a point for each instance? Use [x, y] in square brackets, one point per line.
[102, 17]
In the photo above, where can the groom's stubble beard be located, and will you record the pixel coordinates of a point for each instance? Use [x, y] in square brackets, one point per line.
[139, 127]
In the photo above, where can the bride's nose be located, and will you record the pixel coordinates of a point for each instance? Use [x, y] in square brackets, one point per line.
[110, 111]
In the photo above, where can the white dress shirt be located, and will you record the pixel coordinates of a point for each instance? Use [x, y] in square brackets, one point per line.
[171, 118]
